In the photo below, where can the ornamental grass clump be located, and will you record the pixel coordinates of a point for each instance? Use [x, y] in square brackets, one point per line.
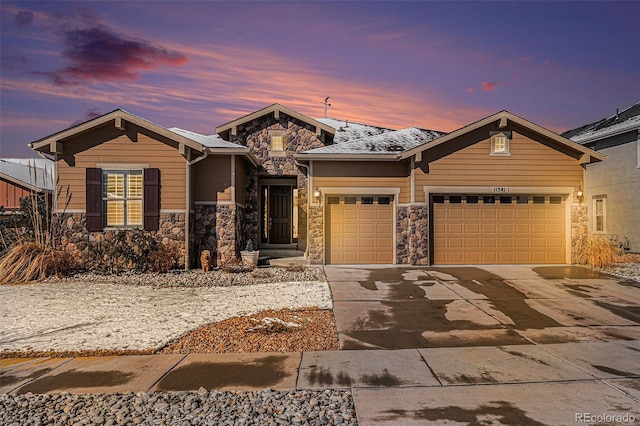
[29, 250]
[597, 252]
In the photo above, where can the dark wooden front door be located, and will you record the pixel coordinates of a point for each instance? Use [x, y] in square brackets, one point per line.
[280, 214]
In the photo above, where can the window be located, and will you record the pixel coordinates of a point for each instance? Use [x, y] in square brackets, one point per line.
[538, 199]
[122, 197]
[472, 199]
[384, 200]
[522, 199]
[455, 199]
[500, 143]
[277, 141]
[505, 199]
[488, 199]
[367, 200]
[599, 215]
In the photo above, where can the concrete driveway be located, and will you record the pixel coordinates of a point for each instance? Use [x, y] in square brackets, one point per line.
[401, 308]
[495, 344]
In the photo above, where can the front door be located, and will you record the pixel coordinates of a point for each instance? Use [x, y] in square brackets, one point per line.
[280, 210]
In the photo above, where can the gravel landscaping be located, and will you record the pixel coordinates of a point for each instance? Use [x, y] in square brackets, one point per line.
[628, 268]
[80, 316]
[268, 407]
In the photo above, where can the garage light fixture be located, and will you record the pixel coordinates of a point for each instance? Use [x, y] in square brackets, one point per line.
[579, 192]
[316, 194]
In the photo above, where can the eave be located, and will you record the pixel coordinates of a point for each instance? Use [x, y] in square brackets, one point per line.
[54, 144]
[348, 157]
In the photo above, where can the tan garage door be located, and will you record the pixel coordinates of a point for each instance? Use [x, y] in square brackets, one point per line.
[359, 229]
[470, 229]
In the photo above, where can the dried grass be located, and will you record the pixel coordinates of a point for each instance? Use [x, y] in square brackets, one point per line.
[596, 252]
[31, 261]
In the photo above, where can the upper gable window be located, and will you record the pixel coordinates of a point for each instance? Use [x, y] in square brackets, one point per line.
[500, 143]
[277, 142]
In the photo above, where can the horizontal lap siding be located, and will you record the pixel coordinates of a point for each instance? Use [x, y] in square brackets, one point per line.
[108, 145]
[241, 174]
[365, 175]
[530, 164]
[212, 179]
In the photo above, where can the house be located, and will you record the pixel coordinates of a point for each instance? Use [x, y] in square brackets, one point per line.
[500, 190]
[612, 187]
[20, 177]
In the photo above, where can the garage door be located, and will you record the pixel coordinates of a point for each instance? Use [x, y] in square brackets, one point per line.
[359, 229]
[490, 229]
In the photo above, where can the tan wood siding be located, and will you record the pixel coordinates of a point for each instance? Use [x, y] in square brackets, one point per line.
[212, 179]
[241, 178]
[340, 174]
[10, 194]
[531, 163]
[108, 145]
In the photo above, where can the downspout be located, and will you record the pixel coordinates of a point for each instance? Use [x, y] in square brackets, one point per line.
[187, 213]
[309, 195]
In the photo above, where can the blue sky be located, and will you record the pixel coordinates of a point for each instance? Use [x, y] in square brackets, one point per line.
[196, 65]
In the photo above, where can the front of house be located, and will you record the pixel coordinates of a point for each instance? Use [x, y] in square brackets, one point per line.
[500, 190]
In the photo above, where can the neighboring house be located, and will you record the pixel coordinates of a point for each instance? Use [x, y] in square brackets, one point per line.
[20, 177]
[501, 190]
[612, 188]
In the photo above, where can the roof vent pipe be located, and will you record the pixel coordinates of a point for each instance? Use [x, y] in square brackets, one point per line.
[617, 113]
[347, 123]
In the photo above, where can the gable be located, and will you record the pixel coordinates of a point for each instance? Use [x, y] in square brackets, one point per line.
[229, 130]
[504, 121]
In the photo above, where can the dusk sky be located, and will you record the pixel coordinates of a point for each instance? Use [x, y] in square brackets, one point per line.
[197, 65]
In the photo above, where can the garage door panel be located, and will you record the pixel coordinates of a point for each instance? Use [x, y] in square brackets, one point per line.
[359, 233]
[499, 233]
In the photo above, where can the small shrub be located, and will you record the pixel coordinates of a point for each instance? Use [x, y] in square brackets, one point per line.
[294, 267]
[131, 250]
[261, 273]
[597, 252]
[235, 266]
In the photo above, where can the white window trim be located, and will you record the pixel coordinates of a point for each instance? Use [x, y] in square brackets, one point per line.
[105, 200]
[604, 215]
[277, 152]
[493, 152]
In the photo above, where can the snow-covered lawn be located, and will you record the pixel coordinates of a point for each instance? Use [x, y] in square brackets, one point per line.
[79, 316]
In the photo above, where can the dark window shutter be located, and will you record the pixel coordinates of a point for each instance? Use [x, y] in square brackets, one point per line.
[94, 199]
[151, 199]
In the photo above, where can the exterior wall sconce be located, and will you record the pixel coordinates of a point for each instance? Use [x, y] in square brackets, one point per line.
[316, 194]
[579, 194]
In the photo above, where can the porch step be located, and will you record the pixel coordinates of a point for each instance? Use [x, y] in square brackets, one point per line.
[285, 261]
[280, 253]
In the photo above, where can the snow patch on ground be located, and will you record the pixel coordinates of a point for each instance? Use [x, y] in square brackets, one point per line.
[84, 316]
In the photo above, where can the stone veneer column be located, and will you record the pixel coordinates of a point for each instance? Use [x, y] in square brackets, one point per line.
[412, 235]
[226, 232]
[579, 226]
[316, 235]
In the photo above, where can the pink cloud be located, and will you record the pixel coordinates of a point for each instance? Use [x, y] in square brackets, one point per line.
[470, 90]
[489, 86]
[98, 54]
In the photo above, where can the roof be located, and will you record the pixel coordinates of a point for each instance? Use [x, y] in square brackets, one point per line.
[211, 141]
[390, 142]
[32, 173]
[625, 121]
[275, 109]
[347, 131]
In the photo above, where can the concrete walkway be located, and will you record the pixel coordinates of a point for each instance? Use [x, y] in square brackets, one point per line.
[517, 384]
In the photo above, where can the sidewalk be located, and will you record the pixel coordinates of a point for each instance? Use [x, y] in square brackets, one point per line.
[549, 384]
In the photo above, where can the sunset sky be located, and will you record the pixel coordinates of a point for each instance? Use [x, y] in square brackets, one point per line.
[196, 65]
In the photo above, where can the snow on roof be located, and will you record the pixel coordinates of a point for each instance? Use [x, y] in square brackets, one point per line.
[30, 172]
[211, 141]
[384, 143]
[347, 131]
[627, 120]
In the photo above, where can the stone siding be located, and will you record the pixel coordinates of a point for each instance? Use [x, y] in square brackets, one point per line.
[73, 234]
[316, 235]
[412, 235]
[579, 227]
[299, 137]
[217, 229]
